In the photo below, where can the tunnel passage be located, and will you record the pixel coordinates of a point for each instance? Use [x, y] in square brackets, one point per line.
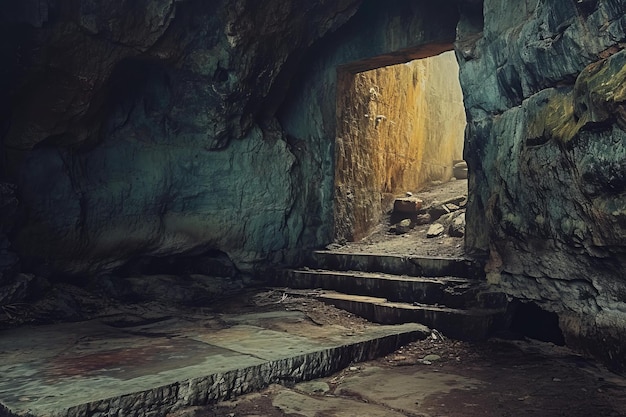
[399, 128]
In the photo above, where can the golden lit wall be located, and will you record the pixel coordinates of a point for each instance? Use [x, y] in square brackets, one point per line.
[398, 128]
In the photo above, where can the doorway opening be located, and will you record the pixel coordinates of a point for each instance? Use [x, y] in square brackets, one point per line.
[400, 131]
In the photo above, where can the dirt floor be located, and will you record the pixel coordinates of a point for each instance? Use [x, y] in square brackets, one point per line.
[415, 242]
[434, 377]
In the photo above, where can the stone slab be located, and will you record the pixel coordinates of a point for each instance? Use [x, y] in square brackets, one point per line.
[397, 264]
[93, 369]
[449, 291]
[461, 324]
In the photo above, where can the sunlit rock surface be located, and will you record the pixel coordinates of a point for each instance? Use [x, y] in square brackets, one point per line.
[543, 84]
[398, 128]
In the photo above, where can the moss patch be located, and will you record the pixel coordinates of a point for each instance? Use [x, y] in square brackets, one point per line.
[597, 97]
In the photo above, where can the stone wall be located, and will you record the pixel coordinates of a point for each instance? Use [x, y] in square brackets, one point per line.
[398, 128]
[543, 83]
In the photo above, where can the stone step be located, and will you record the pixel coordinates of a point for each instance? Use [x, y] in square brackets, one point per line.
[449, 291]
[151, 370]
[469, 325]
[417, 266]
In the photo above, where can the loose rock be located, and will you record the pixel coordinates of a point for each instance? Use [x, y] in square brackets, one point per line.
[407, 205]
[436, 211]
[457, 228]
[435, 230]
[460, 170]
[401, 228]
[422, 219]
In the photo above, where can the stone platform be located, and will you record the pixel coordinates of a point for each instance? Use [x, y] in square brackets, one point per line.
[150, 366]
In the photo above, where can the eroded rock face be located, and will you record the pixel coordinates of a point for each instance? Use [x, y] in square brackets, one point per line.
[150, 129]
[146, 128]
[546, 147]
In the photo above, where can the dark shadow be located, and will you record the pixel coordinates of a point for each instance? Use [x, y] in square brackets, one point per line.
[530, 320]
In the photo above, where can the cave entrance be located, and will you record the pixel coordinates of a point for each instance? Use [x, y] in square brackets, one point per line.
[400, 128]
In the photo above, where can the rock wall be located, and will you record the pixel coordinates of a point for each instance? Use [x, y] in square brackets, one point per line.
[148, 129]
[544, 90]
[145, 128]
[398, 128]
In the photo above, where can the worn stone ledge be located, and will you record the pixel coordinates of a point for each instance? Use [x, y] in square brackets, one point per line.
[238, 366]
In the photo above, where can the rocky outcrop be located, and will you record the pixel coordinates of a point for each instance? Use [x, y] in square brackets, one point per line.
[543, 84]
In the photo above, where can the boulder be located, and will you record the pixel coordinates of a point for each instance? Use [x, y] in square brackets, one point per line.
[408, 205]
[402, 227]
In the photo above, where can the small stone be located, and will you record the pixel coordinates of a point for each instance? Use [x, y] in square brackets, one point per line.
[435, 230]
[460, 170]
[353, 368]
[401, 228]
[314, 387]
[457, 228]
[427, 362]
[409, 194]
[431, 358]
[438, 210]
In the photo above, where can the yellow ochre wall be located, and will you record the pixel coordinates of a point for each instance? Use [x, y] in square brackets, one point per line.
[398, 128]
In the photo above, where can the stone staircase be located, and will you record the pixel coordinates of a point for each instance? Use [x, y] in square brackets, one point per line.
[447, 294]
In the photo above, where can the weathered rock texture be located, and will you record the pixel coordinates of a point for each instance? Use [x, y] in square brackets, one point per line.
[544, 90]
[149, 128]
[398, 128]
[145, 128]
